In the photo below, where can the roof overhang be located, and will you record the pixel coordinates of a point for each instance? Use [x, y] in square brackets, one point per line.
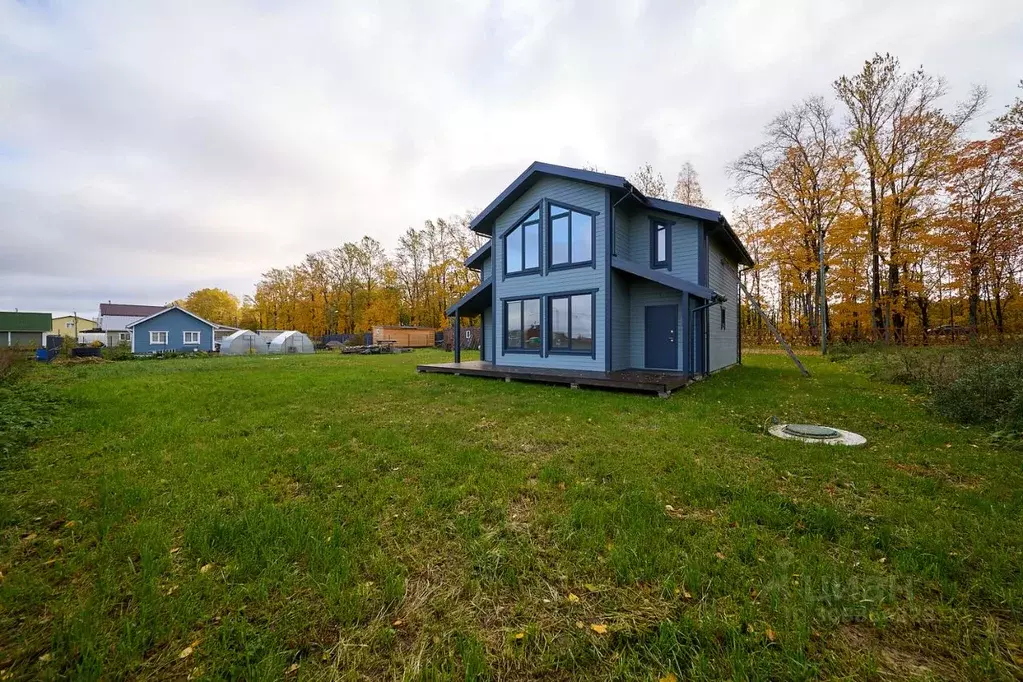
[168, 309]
[662, 278]
[475, 261]
[474, 302]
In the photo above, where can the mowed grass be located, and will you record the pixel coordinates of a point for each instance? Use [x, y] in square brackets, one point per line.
[341, 517]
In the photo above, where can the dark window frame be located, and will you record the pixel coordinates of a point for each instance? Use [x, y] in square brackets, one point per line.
[657, 224]
[568, 209]
[521, 222]
[523, 350]
[549, 332]
[722, 317]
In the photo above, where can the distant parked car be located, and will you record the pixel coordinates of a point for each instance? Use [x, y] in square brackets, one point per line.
[948, 330]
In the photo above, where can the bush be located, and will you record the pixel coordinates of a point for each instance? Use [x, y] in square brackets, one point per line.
[13, 364]
[968, 385]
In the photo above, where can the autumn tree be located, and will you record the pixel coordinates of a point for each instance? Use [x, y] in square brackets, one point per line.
[687, 187]
[902, 138]
[649, 182]
[215, 305]
[802, 175]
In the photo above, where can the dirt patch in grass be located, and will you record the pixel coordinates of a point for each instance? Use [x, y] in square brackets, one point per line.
[897, 654]
[942, 474]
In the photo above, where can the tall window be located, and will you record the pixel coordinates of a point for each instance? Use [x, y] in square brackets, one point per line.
[571, 324]
[571, 237]
[522, 325]
[660, 243]
[722, 317]
[522, 246]
[158, 338]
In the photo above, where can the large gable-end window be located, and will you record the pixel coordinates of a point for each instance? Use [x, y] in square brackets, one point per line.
[522, 325]
[572, 236]
[571, 323]
[522, 246]
[158, 338]
[660, 243]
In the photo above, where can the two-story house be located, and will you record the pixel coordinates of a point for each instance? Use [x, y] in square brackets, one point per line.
[584, 275]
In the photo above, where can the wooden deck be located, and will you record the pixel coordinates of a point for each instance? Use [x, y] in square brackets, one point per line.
[643, 381]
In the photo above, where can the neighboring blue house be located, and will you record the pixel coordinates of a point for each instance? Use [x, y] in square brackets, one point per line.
[584, 273]
[171, 329]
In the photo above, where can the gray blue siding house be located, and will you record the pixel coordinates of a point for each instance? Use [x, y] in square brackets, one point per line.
[582, 272]
[171, 329]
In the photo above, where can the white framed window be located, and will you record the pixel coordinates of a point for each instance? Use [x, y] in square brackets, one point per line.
[191, 338]
[158, 338]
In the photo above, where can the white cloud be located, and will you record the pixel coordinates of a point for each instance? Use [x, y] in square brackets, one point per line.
[147, 149]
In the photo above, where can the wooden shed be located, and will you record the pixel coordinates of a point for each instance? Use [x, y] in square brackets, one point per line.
[405, 337]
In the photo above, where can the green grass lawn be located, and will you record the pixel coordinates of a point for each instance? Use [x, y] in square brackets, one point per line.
[328, 516]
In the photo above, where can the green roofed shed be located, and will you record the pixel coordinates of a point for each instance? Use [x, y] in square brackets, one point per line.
[24, 329]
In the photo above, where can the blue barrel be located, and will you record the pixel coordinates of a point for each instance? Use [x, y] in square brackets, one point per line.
[43, 355]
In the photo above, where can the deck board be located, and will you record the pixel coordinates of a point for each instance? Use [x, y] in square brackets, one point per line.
[646, 381]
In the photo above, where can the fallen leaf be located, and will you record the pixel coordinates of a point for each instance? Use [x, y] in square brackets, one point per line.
[670, 677]
[186, 652]
[686, 595]
[70, 524]
[579, 624]
[572, 598]
[44, 658]
[293, 667]
[520, 635]
[591, 588]
[599, 628]
[398, 623]
[30, 537]
[206, 568]
[770, 634]
[668, 507]
[720, 556]
[561, 485]
[175, 550]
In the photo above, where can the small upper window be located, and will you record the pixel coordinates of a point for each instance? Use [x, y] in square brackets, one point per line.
[722, 318]
[571, 236]
[69, 325]
[191, 338]
[522, 246]
[158, 338]
[660, 244]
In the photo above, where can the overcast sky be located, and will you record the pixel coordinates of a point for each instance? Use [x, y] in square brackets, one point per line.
[151, 148]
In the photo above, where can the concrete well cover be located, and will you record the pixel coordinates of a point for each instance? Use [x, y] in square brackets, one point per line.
[812, 433]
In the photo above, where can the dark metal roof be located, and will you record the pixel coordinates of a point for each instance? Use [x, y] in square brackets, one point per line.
[25, 322]
[661, 277]
[483, 223]
[473, 302]
[475, 261]
[128, 309]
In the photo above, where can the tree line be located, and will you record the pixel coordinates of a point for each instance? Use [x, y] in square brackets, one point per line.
[875, 202]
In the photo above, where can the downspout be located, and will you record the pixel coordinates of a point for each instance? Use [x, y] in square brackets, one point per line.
[717, 299]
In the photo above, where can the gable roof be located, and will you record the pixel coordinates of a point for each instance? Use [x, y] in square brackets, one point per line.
[129, 309]
[483, 223]
[25, 322]
[167, 310]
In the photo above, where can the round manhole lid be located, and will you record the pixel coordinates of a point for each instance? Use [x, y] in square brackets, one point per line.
[811, 431]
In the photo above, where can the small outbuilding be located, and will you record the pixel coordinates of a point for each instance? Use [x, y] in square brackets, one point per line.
[292, 342]
[405, 337]
[243, 342]
[24, 330]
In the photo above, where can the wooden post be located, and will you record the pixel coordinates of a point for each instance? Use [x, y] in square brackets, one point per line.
[774, 330]
[458, 338]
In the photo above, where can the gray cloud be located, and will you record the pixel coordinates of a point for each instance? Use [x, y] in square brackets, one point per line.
[147, 149]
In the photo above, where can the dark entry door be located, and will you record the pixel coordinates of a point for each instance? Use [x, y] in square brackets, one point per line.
[660, 336]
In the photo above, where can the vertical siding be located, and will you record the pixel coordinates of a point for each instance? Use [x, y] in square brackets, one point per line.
[175, 323]
[642, 294]
[621, 320]
[724, 279]
[585, 278]
[623, 236]
[488, 333]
